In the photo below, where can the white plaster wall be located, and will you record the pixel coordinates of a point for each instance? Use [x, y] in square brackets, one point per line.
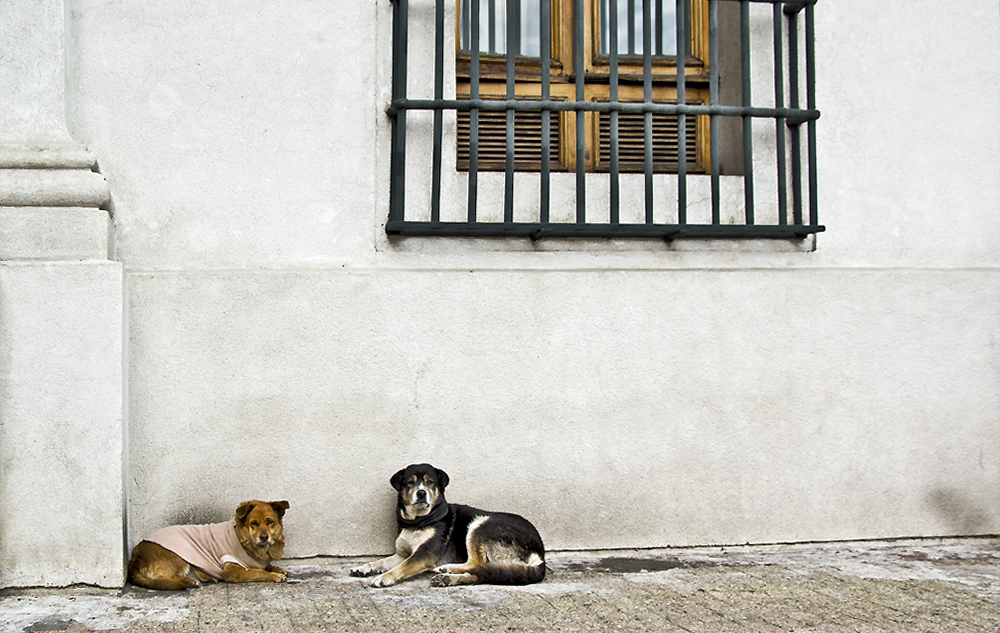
[61, 423]
[248, 134]
[907, 178]
[61, 325]
[618, 394]
[239, 133]
[620, 408]
[32, 73]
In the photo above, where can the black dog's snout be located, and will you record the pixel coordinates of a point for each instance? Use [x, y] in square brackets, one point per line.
[421, 495]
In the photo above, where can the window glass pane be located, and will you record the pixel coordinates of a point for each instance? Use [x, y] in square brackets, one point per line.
[493, 21]
[630, 32]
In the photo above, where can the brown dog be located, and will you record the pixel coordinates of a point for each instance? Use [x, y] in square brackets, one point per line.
[234, 551]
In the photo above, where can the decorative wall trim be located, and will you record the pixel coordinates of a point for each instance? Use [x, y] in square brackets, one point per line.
[51, 204]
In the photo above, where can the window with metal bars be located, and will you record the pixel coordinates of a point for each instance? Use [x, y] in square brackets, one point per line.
[626, 86]
[517, 29]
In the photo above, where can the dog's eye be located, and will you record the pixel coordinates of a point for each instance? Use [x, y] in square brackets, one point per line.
[270, 521]
[254, 523]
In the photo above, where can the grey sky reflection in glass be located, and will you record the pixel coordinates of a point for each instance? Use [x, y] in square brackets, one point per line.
[494, 20]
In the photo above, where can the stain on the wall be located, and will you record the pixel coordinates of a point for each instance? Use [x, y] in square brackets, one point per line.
[963, 516]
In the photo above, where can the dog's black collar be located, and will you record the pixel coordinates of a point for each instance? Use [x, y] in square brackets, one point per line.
[437, 513]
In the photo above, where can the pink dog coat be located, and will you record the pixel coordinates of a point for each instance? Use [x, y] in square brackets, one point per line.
[208, 547]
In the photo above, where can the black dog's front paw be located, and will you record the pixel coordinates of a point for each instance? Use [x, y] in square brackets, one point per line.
[364, 571]
[441, 580]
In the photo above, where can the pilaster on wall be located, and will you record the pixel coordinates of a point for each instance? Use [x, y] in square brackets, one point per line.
[51, 195]
[61, 324]
[52, 204]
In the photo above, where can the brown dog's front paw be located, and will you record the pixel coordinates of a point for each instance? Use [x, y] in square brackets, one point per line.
[364, 571]
[279, 575]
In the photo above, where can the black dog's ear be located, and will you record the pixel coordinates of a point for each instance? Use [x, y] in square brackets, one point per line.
[397, 480]
[442, 478]
[279, 508]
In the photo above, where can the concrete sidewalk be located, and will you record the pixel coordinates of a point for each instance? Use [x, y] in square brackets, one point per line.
[921, 585]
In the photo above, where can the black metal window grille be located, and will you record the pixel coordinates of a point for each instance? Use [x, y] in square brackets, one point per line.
[796, 175]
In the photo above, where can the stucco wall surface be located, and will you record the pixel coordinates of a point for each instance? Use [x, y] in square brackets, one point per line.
[280, 345]
[61, 423]
[906, 178]
[237, 133]
[32, 72]
[613, 408]
[253, 135]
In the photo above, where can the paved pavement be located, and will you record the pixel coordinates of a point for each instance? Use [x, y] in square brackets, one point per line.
[902, 586]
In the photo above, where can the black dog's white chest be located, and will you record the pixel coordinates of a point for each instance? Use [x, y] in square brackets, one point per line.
[411, 539]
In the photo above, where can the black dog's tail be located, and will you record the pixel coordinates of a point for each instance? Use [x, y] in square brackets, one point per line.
[511, 573]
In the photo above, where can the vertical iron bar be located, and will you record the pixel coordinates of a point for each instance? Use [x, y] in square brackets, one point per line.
[647, 91]
[796, 130]
[811, 104]
[546, 53]
[779, 122]
[508, 181]
[747, 120]
[631, 27]
[681, 66]
[491, 36]
[713, 89]
[397, 181]
[438, 113]
[581, 96]
[474, 114]
[658, 29]
[615, 201]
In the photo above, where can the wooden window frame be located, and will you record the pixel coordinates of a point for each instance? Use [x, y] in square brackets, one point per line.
[493, 86]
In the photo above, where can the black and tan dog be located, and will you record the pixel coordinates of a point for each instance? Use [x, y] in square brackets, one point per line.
[496, 547]
[240, 550]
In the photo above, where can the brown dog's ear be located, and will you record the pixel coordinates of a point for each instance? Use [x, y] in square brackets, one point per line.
[397, 480]
[279, 507]
[442, 478]
[241, 512]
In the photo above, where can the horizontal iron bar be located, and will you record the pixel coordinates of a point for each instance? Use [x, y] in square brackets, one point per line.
[794, 116]
[593, 230]
[791, 2]
[793, 8]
